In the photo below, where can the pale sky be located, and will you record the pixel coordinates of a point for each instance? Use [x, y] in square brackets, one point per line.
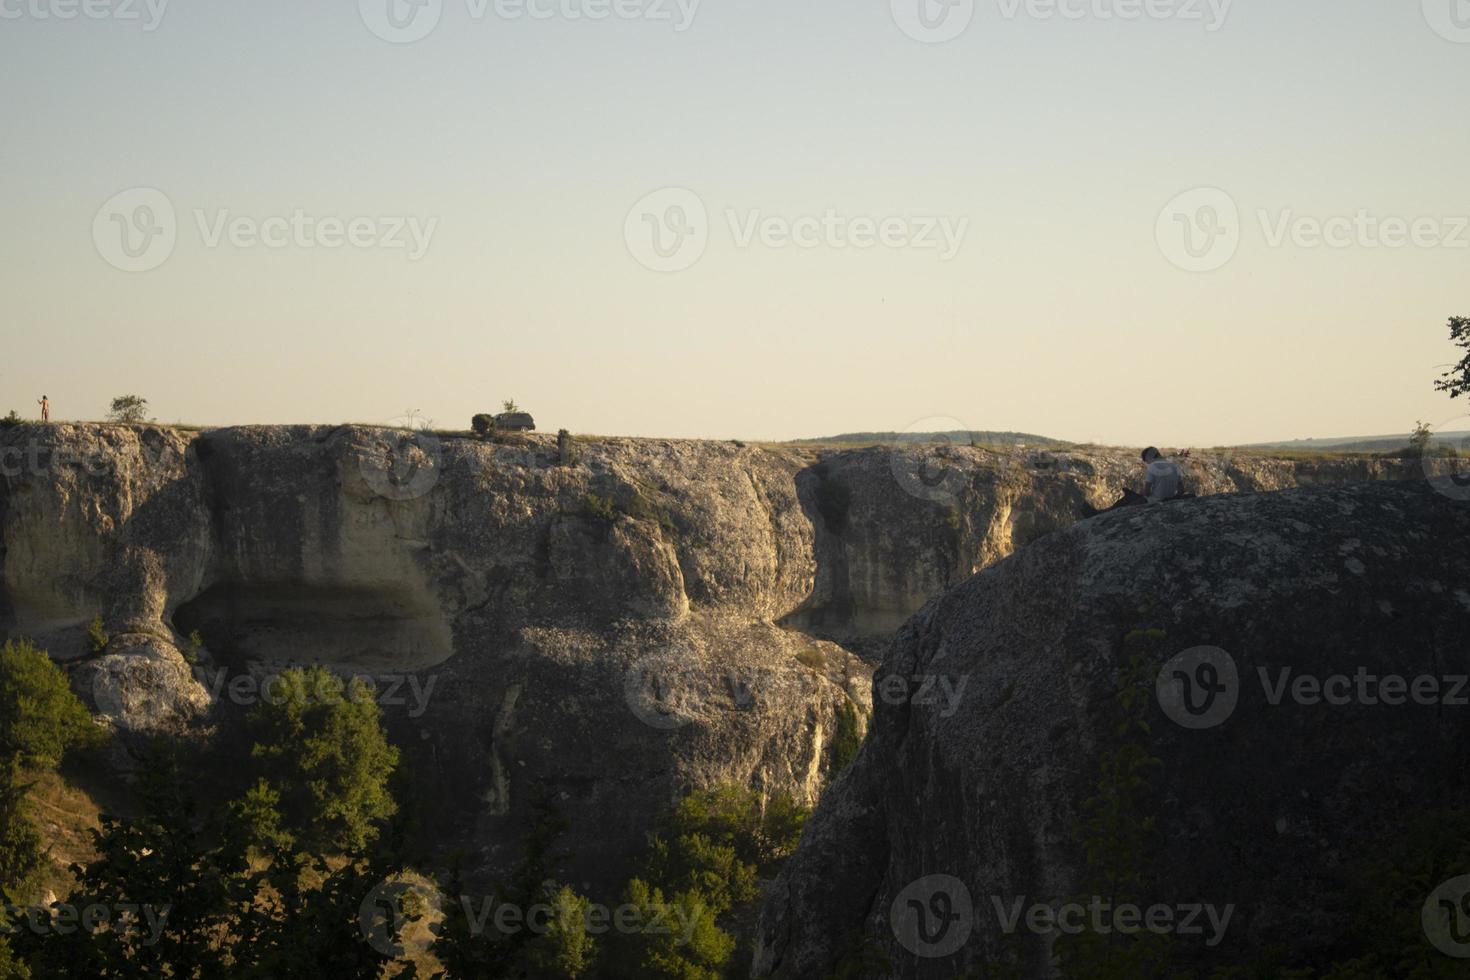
[1050, 145]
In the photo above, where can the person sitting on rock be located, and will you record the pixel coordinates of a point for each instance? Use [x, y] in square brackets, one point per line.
[1162, 480]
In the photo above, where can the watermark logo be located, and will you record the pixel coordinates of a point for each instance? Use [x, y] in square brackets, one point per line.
[136, 230]
[1363, 229]
[1199, 230]
[64, 919]
[933, 917]
[43, 457]
[668, 230]
[1211, 13]
[1199, 688]
[1449, 472]
[1446, 917]
[1102, 917]
[831, 230]
[941, 692]
[387, 233]
[407, 21]
[933, 21]
[401, 21]
[662, 690]
[388, 909]
[402, 464]
[931, 470]
[150, 12]
[1450, 19]
[409, 691]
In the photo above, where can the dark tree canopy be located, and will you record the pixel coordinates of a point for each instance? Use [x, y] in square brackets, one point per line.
[1457, 380]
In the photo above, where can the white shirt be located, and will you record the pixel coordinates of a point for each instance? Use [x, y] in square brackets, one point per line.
[1164, 479]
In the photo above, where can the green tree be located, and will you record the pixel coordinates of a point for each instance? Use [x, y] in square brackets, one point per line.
[308, 920]
[847, 737]
[97, 638]
[40, 717]
[564, 950]
[128, 409]
[1419, 439]
[10, 967]
[21, 844]
[760, 830]
[509, 405]
[1456, 381]
[158, 862]
[322, 751]
[679, 939]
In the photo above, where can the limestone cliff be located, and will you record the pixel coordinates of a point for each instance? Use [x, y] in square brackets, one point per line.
[657, 615]
[1268, 794]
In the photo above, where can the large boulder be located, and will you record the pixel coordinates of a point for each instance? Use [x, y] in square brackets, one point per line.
[1296, 663]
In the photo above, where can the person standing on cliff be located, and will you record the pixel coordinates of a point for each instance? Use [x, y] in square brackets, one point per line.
[45, 404]
[1162, 480]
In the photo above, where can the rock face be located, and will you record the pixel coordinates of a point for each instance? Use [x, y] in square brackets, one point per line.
[1265, 797]
[658, 616]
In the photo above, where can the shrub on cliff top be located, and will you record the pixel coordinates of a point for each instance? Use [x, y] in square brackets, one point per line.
[128, 409]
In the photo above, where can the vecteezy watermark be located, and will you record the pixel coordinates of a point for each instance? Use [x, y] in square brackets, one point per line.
[1446, 917]
[664, 689]
[937, 21]
[1212, 14]
[39, 457]
[940, 691]
[65, 918]
[1446, 464]
[667, 688]
[386, 910]
[1363, 229]
[407, 21]
[1201, 687]
[934, 916]
[1199, 230]
[402, 464]
[924, 462]
[396, 901]
[1365, 688]
[1102, 916]
[1450, 19]
[387, 690]
[669, 231]
[136, 230]
[149, 12]
[933, 21]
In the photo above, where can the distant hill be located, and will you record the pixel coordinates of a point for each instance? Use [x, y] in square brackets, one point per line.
[1362, 444]
[979, 437]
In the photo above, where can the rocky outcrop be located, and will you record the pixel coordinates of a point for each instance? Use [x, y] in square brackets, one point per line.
[1296, 657]
[659, 615]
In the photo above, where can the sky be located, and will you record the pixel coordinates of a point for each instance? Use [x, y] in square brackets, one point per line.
[1182, 222]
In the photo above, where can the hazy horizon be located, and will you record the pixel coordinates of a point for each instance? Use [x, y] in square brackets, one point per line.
[1020, 228]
